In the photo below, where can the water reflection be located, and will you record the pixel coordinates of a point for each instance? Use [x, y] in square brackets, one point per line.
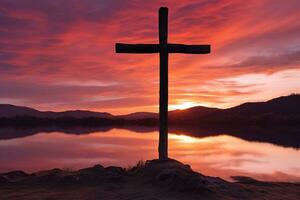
[286, 138]
[221, 155]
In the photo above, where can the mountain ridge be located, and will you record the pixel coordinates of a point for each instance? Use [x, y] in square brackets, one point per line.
[283, 106]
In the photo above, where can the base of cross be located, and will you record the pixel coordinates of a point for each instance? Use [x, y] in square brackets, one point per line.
[164, 159]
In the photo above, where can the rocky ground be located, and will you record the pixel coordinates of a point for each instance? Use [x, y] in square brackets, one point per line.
[152, 180]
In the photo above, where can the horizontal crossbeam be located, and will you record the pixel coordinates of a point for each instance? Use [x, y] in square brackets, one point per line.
[137, 48]
[154, 48]
[190, 49]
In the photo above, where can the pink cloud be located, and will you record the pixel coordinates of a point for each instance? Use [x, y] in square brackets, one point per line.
[45, 44]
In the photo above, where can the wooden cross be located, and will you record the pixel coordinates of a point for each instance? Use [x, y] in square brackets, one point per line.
[163, 48]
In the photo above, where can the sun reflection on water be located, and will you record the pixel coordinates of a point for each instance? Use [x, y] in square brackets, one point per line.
[183, 138]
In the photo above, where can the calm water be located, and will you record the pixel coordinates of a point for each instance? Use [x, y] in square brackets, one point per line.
[222, 155]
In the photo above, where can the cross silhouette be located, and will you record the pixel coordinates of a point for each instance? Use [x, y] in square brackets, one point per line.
[163, 48]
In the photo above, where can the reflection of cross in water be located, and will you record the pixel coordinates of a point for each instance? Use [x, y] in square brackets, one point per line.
[163, 48]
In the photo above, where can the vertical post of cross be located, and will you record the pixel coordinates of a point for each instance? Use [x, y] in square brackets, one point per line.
[163, 86]
[163, 48]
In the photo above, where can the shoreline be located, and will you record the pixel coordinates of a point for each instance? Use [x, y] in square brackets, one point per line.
[152, 179]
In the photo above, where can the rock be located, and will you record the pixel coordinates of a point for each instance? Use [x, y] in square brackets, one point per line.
[94, 169]
[156, 166]
[53, 177]
[3, 180]
[178, 176]
[115, 170]
[115, 173]
[15, 176]
[92, 174]
[98, 174]
[249, 180]
[70, 179]
[244, 179]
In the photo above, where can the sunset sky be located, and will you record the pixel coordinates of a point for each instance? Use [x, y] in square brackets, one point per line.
[59, 54]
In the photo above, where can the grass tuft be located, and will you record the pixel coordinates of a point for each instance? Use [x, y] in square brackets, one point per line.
[138, 166]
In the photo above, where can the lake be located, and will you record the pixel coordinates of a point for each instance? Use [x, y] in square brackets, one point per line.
[220, 155]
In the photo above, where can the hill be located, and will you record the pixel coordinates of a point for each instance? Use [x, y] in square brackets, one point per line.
[285, 105]
[139, 116]
[9, 111]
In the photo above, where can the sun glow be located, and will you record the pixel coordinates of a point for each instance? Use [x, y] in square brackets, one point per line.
[183, 105]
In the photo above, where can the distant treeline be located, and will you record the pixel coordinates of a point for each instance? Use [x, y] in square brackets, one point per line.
[262, 121]
[29, 121]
